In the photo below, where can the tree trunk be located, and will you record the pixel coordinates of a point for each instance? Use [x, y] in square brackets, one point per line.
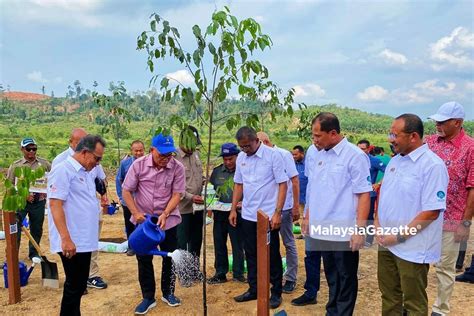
[11, 230]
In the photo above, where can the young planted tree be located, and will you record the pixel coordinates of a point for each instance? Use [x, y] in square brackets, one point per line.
[14, 198]
[220, 63]
[117, 113]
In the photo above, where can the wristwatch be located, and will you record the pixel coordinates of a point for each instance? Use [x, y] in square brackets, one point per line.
[278, 210]
[466, 223]
[400, 238]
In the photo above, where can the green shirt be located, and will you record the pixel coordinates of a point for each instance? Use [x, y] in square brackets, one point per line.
[385, 159]
[219, 177]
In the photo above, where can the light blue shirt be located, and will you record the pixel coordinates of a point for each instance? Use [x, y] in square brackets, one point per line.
[96, 172]
[260, 175]
[70, 183]
[412, 184]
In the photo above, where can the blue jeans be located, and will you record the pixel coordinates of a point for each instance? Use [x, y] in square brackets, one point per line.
[312, 264]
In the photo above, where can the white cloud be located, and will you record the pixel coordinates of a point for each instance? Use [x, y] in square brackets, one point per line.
[392, 57]
[455, 49]
[183, 76]
[58, 79]
[433, 88]
[373, 93]
[309, 89]
[36, 76]
[421, 92]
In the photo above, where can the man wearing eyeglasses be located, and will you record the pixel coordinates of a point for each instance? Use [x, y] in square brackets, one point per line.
[74, 221]
[98, 175]
[456, 149]
[35, 201]
[157, 182]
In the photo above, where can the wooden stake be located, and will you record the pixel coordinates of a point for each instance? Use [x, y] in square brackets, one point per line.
[263, 264]
[9, 221]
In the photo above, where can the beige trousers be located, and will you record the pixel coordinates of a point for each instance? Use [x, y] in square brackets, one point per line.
[94, 269]
[446, 272]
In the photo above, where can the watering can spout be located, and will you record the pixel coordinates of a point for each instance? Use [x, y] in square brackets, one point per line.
[146, 237]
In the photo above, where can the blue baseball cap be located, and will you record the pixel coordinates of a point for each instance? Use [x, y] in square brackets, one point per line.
[229, 149]
[164, 144]
[27, 141]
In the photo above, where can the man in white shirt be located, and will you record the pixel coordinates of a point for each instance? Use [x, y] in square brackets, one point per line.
[73, 224]
[94, 280]
[290, 213]
[338, 208]
[412, 195]
[261, 179]
[312, 259]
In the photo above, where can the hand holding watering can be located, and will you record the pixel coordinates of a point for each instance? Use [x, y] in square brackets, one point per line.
[111, 208]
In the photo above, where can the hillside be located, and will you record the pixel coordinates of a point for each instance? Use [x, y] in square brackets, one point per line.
[24, 96]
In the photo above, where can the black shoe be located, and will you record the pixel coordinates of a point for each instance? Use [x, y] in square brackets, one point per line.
[239, 278]
[303, 300]
[289, 287]
[464, 278]
[247, 296]
[300, 237]
[217, 279]
[275, 301]
[436, 314]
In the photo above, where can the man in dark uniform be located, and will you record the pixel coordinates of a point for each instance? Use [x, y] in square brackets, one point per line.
[35, 201]
[222, 179]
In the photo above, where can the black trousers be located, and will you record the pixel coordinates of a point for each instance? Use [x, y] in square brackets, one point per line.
[249, 230]
[129, 227]
[221, 229]
[146, 273]
[76, 270]
[190, 232]
[370, 219]
[35, 213]
[340, 267]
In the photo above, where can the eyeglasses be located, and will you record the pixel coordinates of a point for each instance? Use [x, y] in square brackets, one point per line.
[394, 136]
[31, 149]
[97, 158]
[167, 156]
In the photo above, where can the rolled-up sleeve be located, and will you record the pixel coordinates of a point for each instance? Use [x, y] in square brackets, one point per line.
[179, 182]
[238, 171]
[277, 167]
[131, 179]
[359, 170]
[59, 184]
[434, 189]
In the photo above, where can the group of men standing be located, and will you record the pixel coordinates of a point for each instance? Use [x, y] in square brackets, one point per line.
[331, 187]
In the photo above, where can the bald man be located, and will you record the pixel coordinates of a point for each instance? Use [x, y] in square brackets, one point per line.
[290, 213]
[94, 281]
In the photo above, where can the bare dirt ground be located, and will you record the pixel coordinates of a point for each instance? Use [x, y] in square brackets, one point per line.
[123, 293]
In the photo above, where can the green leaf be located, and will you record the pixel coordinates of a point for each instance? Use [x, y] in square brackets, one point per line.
[235, 23]
[232, 61]
[153, 25]
[212, 49]
[8, 184]
[197, 31]
[157, 53]
[150, 65]
[197, 58]
[175, 32]
[171, 42]
[164, 83]
[243, 55]
[18, 172]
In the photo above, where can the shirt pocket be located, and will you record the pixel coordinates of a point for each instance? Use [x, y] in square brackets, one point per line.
[337, 177]
[165, 187]
[410, 187]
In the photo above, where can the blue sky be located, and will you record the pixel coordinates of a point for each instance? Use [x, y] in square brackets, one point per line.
[380, 56]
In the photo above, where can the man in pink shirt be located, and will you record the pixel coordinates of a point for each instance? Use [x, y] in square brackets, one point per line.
[456, 149]
[154, 185]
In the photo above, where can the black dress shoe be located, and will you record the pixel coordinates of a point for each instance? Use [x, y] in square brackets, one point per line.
[465, 278]
[239, 278]
[217, 279]
[247, 296]
[303, 300]
[289, 287]
[275, 301]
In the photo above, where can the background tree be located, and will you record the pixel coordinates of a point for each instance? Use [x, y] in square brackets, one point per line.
[227, 45]
[117, 113]
[43, 89]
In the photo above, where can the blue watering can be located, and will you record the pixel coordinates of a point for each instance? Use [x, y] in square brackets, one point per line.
[146, 237]
[24, 273]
